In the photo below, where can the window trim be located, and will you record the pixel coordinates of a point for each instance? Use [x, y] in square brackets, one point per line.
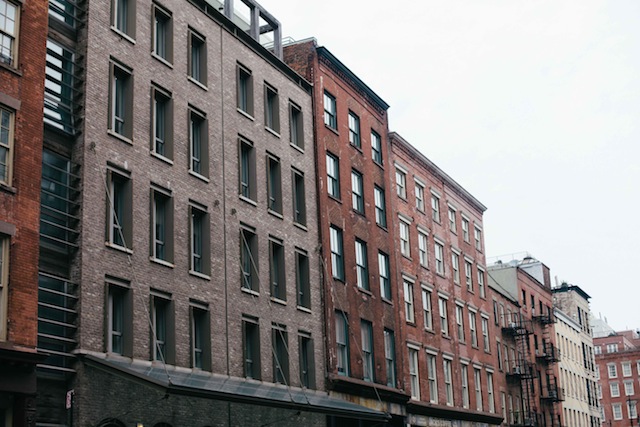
[333, 175]
[15, 37]
[201, 78]
[355, 139]
[121, 127]
[376, 148]
[157, 11]
[249, 248]
[299, 197]
[337, 253]
[303, 284]
[199, 314]
[271, 109]
[296, 125]
[123, 289]
[251, 348]
[357, 191]
[247, 190]
[166, 196]
[368, 358]
[331, 114]
[244, 91]
[123, 226]
[277, 269]
[9, 147]
[380, 206]
[129, 33]
[200, 211]
[161, 97]
[274, 184]
[199, 118]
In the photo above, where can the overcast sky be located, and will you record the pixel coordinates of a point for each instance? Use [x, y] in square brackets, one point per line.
[534, 107]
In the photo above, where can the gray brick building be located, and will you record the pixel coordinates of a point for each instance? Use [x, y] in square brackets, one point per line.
[179, 276]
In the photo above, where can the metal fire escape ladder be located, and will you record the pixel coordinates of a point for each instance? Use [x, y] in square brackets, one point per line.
[549, 355]
[522, 370]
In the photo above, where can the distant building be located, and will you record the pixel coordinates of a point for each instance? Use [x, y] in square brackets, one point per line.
[23, 35]
[451, 333]
[577, 360]
[618, 367]
[532, 329]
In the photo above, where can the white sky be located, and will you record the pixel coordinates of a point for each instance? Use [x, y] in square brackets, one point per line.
[534, 107]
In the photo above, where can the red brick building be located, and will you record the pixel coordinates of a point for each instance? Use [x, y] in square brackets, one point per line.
[354, 167]
[23, 29]
[618, 362]
[532, 330]
[451, 360]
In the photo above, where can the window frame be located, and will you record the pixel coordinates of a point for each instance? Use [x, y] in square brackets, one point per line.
[123, 18]
[337, 253]
[121, 290]
[342, 343]
[330, 111]
[121, 101]
[251, 348]
[423, 248]
[307, 360]
[14, 38]
[162, 328]
[451, 214]
[409, 310]
[333, 175]
[274, 184]
[200, 333]
[368, 360]
[438, 248]
[435, 208]
[390, 357]
[164, 242]
[197, 58]
[296, 125]
[414, 373]
[384, 275]
[448, 380]
[249, 259]
[277, 271]
[198, 147]
[247, 170]
[5, 247]
[162, 33]
[354, 130]
[362, 264]
[460, 322]
[303, 284]
[199, 245]
[271, 108]
[7, 128]
[405, 235]
[376, 148]
[427, 308]
[432, 377]
[357, 191]
[161, 122]
[401, 183]
[419, 194]
[465, 228]
[280, 354]
[455, 266]
[443, 311]
[299, 197]
[119, 230]
[380, 206]
[464, 385]
[244, 90]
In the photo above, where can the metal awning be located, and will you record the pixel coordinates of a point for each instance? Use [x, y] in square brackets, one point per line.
[234, 389]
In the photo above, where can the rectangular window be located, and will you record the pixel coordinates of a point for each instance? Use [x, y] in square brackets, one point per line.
[362, 268]
[408, 301]
[628, 388]
[426, 309]
[632, 409]
[419, 190]
[337, 253]
[435, 208]
[296, 125]
[197, 57]
[413, 373]
[481, 283]
[448, 381]
[6, 144]
[200, 337]
[342, 344]
[455, 266]
[405, 247]
[120, 221]
[617, 411]
[163, 337]
[433, 378]
[468, 274]
[477, 235]
[444, 318]
[276, 269]
[124, 16]
[366, 331]
[473, 331]
[303, 285]
[381, 210]
[422, 248]
[626, 369]
[274, 184]
[464, 378]
[200, 239]
[354, 129]
[490, 395]
[390, 357]
[247, 165]
[121, 101]
[330, 118]
[401, 184]
[198, 143]
[249, 258]
[385, 278]
[280, 345]
[271, 108]
[499, 355]
[376, 148]
[162, 224]
[333, 176]
[615, 389]
[119, 320]
[162, 122]
[460, 322]
[439, 254]
[299, 195]
[251, 347]
[357, 192]
[162, 33]
[244, 83]
[307, 363]
[4, 284]
[478, 384]
[465, 229]
[9, 24]
[452, 219]
[485, 334]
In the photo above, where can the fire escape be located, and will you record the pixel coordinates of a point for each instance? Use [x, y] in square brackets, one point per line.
[546, 356]
[522, 371]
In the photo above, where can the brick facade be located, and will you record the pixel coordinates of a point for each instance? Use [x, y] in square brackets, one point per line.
[21, 100]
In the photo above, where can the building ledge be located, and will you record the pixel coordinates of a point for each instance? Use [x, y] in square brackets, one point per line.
[451, 413]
